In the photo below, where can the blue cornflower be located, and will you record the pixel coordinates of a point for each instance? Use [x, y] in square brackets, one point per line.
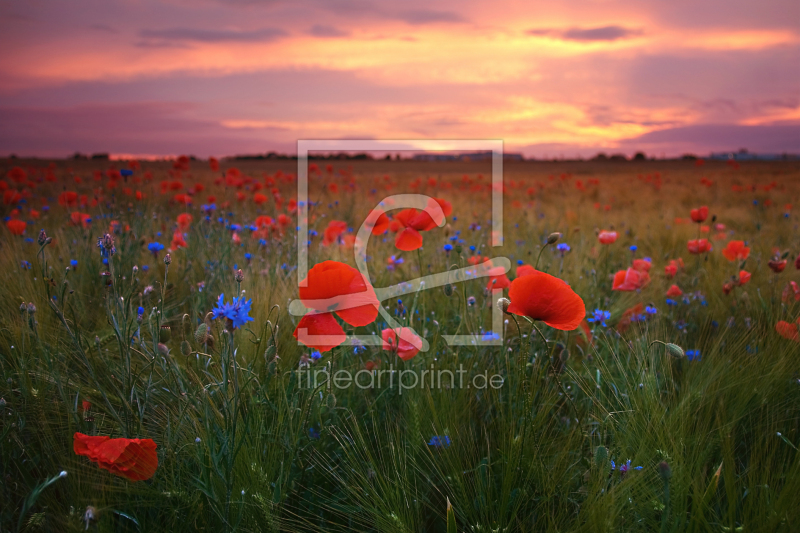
[248, 256]
[313, 433]
[490, 336]
[73, 263]
[600, 317]
[315, 355]
[650, 310]
[145, 267]
[670, 301]
[25, 265]
[691, 355]
[125, 172]
[448, 247]
[237, 311]
[140, 311]
[633, 248]
[563, 247]
[155, 247]
[439, 442]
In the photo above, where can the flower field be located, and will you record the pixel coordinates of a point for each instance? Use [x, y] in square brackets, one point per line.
[631, 362]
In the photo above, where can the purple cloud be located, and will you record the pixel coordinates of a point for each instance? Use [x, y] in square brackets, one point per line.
[602, 33]
[213, 36]
[319, 30]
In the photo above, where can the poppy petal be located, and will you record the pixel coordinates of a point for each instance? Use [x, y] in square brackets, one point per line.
[407, 240]
[541, 296]
[320, 331]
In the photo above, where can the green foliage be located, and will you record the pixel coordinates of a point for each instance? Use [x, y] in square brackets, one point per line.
[249, 440]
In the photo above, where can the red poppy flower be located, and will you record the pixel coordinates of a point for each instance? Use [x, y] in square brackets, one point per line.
[797, 263]
[68, 199]
[381, 224]
[630, 280]
[671, 269]
[497, 278]
[607, 237]
[700, 215]
[642, 265]
[699, 246]
[524, 270]
[333, 231]
[333, 287]
[406, 347]
[791, 290]
[736, 250]
[777, 266]
[413, 222]
[16, 227]
[540, 296]
[184, 221]
[674, 292]
[213, 164]
[788, 331]
[178, 241]
[134, 459]
[625, 320]
[744, 277]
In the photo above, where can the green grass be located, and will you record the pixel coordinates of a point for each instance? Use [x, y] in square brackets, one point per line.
[234, 448]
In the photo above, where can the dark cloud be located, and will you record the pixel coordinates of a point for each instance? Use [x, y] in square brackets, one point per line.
[422, 16]
[601, 33]
[143, 128]
[213, 36]
[702, 138]
[319, 30]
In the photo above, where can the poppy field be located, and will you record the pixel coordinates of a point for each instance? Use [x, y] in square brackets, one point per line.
[630, 353]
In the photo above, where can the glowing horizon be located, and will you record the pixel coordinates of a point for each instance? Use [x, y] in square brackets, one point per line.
[220, 77]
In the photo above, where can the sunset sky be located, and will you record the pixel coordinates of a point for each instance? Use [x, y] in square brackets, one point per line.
[550, 78]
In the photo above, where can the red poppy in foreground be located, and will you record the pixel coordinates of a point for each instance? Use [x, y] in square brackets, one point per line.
[407, 347]
[788, 331]
[540, 296]
[134, 459]
[607, 237]
[16, 227]
[333, 287]
[630, 280]
[699, 215]
[413, 222]
[698, 246]
[736, 250]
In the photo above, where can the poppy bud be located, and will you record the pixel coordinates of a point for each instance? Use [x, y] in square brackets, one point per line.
[675, 350]
[186, 348]
[503, 304]
[42, 238]
[165, 334]
[31, 308]
[167, 259]
[201, 333]
[162, 349]
[239, 276]
[448, 290]
[553, 237]
[459, 248]
[664, 470]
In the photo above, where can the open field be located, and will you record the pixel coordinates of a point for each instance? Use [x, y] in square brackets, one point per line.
[102, 337]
